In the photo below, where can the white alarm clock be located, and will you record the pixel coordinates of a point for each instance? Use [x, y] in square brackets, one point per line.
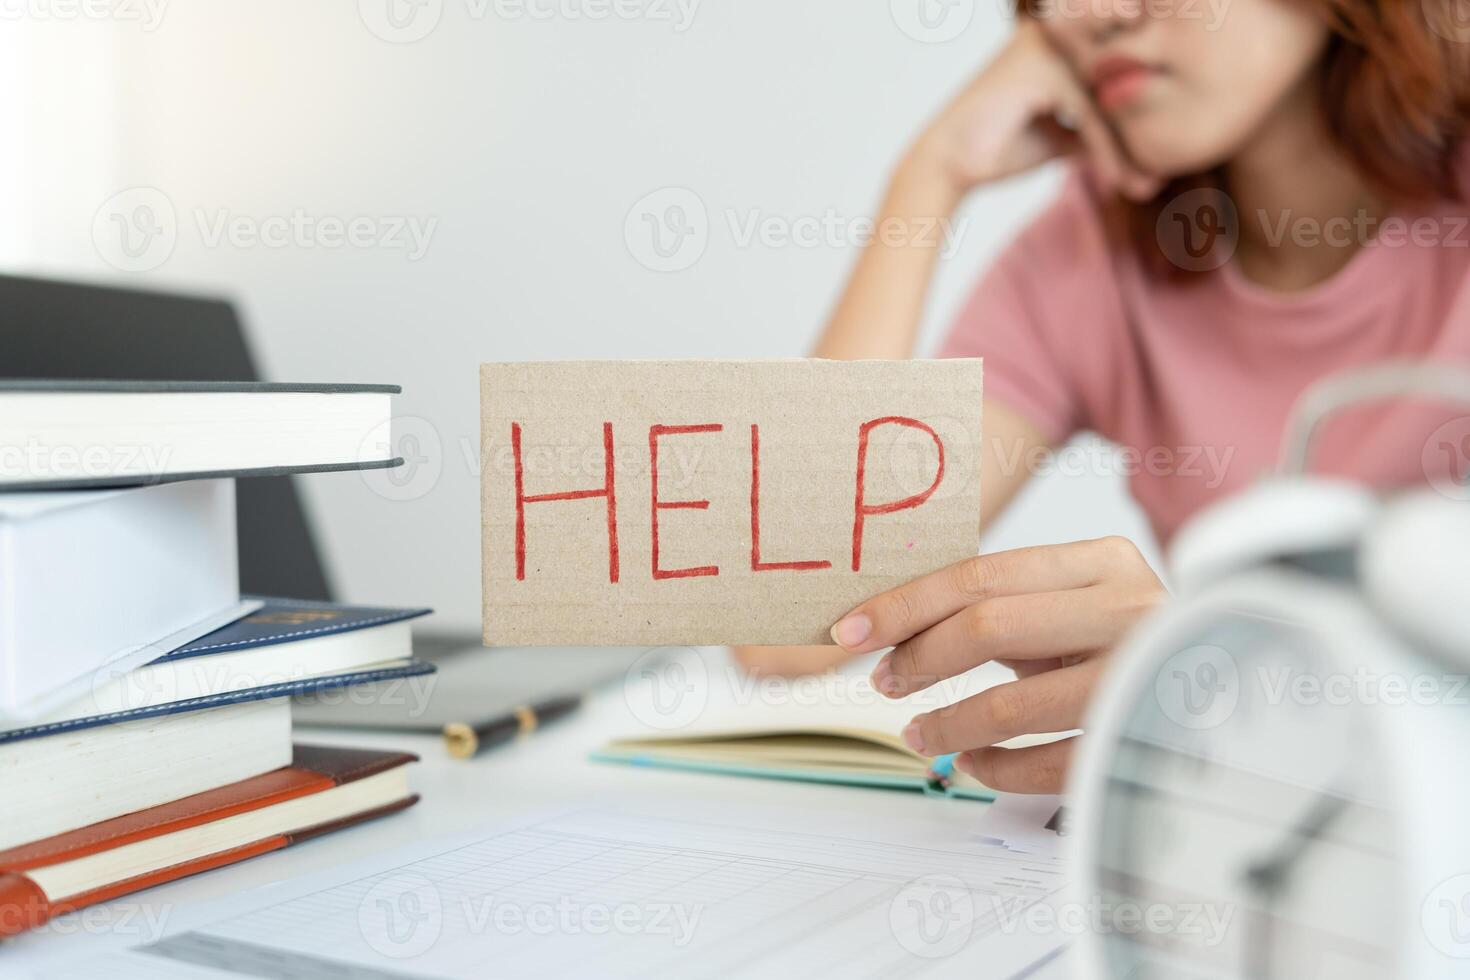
[1275, 782]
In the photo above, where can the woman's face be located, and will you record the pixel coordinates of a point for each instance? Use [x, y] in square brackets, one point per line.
[1187, 83]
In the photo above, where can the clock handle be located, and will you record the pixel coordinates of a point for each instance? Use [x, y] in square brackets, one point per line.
[1394, 379]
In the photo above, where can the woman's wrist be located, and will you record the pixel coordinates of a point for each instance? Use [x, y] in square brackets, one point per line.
[922, 185]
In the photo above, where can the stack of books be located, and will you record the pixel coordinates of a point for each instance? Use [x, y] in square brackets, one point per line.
[145, 721]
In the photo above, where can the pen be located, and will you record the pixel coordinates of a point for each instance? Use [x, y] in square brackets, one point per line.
[465, 741]
[942, 768]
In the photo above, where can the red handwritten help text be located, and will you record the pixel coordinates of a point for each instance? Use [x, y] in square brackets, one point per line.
[863, 509]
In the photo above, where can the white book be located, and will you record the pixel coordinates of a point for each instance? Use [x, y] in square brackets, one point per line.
[69, 434]
[77, 777]
[92, 579]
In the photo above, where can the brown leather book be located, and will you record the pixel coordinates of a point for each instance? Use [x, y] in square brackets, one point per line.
[324, 789]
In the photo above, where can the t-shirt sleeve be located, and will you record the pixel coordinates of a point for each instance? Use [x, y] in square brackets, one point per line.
[1036, 316]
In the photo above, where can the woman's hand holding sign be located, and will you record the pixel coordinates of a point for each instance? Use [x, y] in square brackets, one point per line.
[1051, 613]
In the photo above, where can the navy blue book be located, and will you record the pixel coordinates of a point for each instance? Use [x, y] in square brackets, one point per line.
[286, 647]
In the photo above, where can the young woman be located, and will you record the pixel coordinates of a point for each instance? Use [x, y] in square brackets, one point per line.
[1256, 201]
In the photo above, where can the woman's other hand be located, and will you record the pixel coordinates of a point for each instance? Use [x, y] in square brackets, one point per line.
[1025, 108]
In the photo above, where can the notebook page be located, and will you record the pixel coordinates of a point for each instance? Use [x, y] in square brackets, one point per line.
[839, 701]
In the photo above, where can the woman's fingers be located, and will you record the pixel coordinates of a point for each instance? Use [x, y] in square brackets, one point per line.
[1051, 702]
[1109, 158]
[1041, 626]
[1030, 668]
[1033, 769]
[893, 616]
[1097, 140]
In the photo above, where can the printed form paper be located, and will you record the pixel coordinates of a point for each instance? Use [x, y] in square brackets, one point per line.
[632, 895]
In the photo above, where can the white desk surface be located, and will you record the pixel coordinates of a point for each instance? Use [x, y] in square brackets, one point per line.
[547, 770]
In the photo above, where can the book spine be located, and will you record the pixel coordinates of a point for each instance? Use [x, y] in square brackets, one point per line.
[24, 906]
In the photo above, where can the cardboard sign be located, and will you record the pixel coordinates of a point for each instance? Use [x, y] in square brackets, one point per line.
[714, 502]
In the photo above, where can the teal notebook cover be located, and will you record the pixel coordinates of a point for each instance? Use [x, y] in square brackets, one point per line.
[935, 783]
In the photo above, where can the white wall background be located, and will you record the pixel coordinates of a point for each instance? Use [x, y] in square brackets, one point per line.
[525, 130]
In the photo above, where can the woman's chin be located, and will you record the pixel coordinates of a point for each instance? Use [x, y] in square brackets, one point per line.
[1164, 149]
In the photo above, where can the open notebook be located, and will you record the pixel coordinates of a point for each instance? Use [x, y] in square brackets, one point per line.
[851, 737]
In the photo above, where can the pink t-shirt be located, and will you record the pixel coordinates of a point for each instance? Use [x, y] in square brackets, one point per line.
[1194, 377]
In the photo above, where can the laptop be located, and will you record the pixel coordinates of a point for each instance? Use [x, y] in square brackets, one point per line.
[59, 329]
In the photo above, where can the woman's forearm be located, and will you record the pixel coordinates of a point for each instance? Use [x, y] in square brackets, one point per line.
[880, 309]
